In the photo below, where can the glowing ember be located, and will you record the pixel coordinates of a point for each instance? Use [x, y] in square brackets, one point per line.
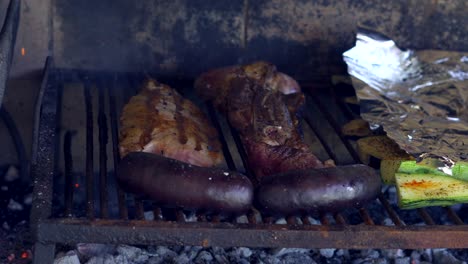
[77, 185]
[23, 51]
[24, 255]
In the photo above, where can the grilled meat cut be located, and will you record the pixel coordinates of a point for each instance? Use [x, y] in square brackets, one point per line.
[264, 106]
[159, 120]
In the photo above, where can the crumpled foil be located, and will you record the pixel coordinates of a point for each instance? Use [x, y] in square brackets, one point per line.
[420, 98]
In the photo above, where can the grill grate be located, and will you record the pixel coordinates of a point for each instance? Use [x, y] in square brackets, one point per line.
[108, 215]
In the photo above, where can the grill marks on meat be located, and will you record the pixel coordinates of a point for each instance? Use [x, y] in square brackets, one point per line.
[159, 120]
[265, 107]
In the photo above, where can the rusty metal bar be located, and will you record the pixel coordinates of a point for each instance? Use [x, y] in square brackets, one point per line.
[324, 220]
[340, 219]
[69, 184]
[139, 211]
[222, 139]
[391, 213]
[89, 150]
[157, 212]
[453, 216]
[103, 140]
[291, 220]
[71, 231]
[180, 217]
[305, 220]
[425, 216]
[365, 216]
[336, 127]
[123, 211]
[251, 217]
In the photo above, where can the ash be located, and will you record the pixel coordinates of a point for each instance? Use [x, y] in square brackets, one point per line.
[124, 254]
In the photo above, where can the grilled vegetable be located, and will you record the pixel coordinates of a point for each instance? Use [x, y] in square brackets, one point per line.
[381, 147]
[171, 182]
[326, 189]
[460, 170]
[420, 190]
[356, 127]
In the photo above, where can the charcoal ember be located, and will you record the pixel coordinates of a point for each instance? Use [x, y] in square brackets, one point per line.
[204, 257]
[444, 256]
[393, 253]
[164, 253]
[327, 252]
[342, 253]
[15, 206]
[70, 257]
[405, 260]
[297, 258]
[415, 255]
[370, 253]
[243, 252]
[133, 254]
[102, 259]
[12, 174]
[427, 255]
[182, 259]
[283, 251]
[93, 249]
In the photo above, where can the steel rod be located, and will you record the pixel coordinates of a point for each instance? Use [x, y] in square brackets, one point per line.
[103, 140]
[89, 150]
[123, 210]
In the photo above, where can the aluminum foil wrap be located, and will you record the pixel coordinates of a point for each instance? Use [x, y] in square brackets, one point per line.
[420, 98]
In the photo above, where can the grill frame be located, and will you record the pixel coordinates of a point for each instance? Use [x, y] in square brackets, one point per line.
[334, 231]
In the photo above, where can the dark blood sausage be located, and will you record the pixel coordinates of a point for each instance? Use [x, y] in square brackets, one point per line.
[317, 190]
[171, 182]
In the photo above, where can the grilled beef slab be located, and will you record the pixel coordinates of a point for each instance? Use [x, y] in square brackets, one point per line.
[264, 106]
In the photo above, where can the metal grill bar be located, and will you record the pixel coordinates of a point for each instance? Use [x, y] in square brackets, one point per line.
[335, 230]
[365, 216]
[425, 216]
[89, 151]
[69, 185]
[453, 216]
[393, 215]
[123, 212]
[103, 139]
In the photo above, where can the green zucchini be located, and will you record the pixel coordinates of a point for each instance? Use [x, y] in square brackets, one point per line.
[421, 190]
[460, 170]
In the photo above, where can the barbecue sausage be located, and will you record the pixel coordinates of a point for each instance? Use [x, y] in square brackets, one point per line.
[170, 182]
[326, 189]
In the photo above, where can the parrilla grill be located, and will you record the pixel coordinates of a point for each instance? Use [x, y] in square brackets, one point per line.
[108, 215]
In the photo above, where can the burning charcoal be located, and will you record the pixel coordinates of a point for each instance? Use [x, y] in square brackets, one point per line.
[393, 253]
[444, 256]
[281, 221]
[133, 254]
[6, 226]
[165, 253]
[12, 174]
[342, 252]
[405, 260]
[327, 252]
[415, 255]
[427, 255]
[14, 205]
[221, 259]
[90, 249]
[27, 199]
[149, 216]
[181, 259]
[297, 258]
[242, 219]
[243, 252]
[70, 258]
[103, 259]
[204, 257]
[370, 253]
